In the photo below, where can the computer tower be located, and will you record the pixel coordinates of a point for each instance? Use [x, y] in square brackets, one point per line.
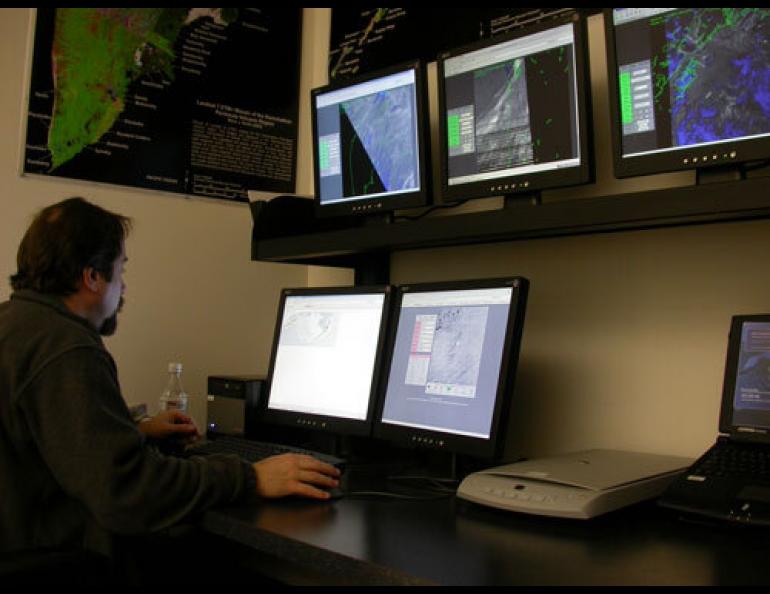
[233, 404]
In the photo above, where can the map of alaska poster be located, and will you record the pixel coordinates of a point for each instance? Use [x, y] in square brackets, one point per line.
[198, 101]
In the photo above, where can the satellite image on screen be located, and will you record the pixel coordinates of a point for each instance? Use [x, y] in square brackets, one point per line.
[383, 124]
[309, 328]
[503, 135]
[714, 69]
[458, 343]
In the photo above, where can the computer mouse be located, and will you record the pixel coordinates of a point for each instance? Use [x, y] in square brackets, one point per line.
[335, 493]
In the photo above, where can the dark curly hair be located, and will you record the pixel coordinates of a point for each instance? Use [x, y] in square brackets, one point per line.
[63, 240]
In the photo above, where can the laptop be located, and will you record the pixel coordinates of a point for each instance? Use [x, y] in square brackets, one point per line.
[731, 481]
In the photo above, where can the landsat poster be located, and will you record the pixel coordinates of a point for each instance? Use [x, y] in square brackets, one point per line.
[368, 39]
[199, 101]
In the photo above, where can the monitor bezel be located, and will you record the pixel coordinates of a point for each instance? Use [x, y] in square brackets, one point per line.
[317, 422]
[524, 183]
[378, 204]
[419, 438]
[730, 153]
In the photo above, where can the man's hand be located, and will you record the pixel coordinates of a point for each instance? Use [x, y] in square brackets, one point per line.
[295, 474]
[170, 423]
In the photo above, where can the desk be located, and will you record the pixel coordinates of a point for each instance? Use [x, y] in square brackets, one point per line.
[452, 542]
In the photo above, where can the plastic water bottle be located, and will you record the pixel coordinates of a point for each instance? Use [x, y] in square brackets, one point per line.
[174, 396]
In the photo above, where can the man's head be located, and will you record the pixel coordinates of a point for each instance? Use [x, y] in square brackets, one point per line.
[72, 249]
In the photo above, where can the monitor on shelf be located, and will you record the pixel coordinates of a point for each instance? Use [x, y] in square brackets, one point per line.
[325, 361]
[451, 364]
[688, 88]
[514, 113]
[370, 143]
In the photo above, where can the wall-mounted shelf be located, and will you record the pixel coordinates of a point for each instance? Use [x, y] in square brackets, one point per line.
[362, 246]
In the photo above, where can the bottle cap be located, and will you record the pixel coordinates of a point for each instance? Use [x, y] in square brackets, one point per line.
[175, 368]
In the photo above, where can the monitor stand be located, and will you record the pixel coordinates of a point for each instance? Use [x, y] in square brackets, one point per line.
[376, 219]
[715, 175]
[533, 198]
[391, 471]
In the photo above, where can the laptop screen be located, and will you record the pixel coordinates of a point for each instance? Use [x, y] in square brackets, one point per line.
[747, 384]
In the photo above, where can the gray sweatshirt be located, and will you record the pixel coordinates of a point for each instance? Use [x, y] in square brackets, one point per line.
[74, 469]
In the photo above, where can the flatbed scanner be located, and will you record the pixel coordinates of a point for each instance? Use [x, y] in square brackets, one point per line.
[579, 485]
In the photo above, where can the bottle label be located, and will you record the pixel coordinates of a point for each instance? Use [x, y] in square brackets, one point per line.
[175, 405]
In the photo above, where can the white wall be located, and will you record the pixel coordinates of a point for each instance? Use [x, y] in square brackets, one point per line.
[625, 333]
[193, 293]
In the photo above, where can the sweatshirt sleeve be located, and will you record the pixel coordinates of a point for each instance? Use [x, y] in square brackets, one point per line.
[84, 432]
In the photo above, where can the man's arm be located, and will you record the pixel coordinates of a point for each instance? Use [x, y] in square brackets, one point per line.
[169, 424]
[97, 454]
[84, 432]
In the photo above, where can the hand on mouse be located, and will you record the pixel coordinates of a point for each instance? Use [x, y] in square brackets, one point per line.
[295, 474]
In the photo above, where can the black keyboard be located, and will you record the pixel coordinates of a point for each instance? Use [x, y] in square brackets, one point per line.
[254, 451]
[735, 461]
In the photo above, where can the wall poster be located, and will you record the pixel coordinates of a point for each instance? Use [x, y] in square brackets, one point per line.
[368, 39]
[198, 101]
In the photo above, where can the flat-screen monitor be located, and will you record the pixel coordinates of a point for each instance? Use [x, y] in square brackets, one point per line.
[514, 112]
[451, 363]
[689, 87]
[325, 360]
[370, 143]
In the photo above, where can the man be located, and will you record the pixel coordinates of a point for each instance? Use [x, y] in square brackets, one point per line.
[75, 470]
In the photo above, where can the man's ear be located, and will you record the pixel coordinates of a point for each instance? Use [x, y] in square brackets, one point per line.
[90, 278]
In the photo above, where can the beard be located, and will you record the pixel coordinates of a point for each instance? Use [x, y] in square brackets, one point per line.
[110, 325]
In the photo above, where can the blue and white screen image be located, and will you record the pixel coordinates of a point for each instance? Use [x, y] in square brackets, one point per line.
[367, 137]
[447, 359]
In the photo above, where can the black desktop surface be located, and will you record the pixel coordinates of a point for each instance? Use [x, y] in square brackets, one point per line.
[452, 542]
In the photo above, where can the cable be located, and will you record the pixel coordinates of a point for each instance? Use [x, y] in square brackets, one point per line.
[437, 488]
[439, 485]
[401, 496]
[431, 209]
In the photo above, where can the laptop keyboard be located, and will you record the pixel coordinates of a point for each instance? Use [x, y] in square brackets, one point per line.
[735, 461]
[254, 451]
